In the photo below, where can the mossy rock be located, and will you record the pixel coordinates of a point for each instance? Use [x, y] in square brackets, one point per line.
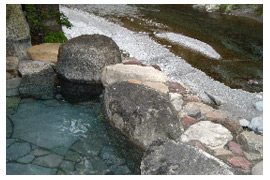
[12, 104]
[16, 27]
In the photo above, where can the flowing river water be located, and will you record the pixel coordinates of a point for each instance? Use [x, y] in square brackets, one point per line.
[238, 40]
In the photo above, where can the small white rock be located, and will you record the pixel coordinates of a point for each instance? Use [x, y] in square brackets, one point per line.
[258, 105]
[256, 124]
[244, 122]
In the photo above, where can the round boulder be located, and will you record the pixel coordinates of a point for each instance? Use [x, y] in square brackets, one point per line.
[80, 61]
[141, 113]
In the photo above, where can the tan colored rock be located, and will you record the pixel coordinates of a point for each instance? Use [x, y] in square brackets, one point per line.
[12, 63]
[215, 115]
[134, 81]
[222, 152]
[46, 52]
[158, 86]
[120, 72]
[212, 135]
[148, 76]
[196, 109]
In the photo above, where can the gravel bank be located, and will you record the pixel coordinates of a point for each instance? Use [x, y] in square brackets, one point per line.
[239, 102]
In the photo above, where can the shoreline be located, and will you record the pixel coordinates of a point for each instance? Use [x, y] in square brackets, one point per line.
[239, 103]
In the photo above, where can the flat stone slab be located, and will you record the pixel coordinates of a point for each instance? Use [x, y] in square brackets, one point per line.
[213, 135]
[18, 149]
[170, 158]
[28, 169]
[46, 52]
[42, 125]
[26, 159]
[50, 161]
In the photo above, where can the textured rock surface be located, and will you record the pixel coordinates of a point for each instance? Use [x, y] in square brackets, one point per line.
[17, 32]
[50, 161]
[80, 61]
[141, 113]
[12, 86]
[212, 135]
[149, 76]
[46, 52]
[222, 152]
[12, 63]
[235, 148]
[176, 100]
[170, 158]
[38, 80]
[257, 169]
[251, 142]
[241, 162]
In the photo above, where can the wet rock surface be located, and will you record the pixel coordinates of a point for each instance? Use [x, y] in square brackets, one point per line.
[170, 158]
[62, 139]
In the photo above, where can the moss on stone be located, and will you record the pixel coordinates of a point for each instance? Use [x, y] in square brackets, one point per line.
[17, 27]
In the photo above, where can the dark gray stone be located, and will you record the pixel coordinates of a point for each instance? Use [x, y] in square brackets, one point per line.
[92, 165]
[17, 32]
[80, 61]
[170, 158]
[17, 149]
[28, 169]
[26, 159]
[9, 128]
[50, 161]
[12, 86]
[141, 113]
[38, 80]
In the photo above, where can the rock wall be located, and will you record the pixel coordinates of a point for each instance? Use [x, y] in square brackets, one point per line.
[17, 32]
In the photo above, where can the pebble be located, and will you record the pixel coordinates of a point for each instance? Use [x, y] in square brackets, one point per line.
[235, 148]
[259, 105]
[244, 122]
[240, 162]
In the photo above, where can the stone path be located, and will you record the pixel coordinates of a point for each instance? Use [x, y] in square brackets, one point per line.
[55, 137]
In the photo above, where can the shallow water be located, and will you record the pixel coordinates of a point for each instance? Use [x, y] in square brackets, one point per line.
[238, 40]
[56, 137]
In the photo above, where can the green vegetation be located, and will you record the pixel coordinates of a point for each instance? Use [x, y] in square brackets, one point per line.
[36, 17]
[259, 10]
[228, 7]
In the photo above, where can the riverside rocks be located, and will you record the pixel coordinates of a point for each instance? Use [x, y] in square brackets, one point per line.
[46, 52]
[141, 113]
[256, 124]
[149, 76]
[80, 61]
[251, 142]
[170, 158]
[258, 169]
[38, 79]
[214, 136]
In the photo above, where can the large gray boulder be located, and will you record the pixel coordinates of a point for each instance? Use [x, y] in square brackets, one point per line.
[171, 158]
[80, 61]
[38, 80]
[17, 32]
[141, 113]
